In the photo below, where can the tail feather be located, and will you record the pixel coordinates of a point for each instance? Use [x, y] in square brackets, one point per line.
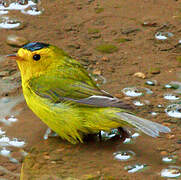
[148, 127]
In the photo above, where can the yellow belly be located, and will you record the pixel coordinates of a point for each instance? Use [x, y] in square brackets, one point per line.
[69, 121]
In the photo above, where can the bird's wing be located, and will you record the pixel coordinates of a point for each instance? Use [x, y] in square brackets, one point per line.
[77, 92]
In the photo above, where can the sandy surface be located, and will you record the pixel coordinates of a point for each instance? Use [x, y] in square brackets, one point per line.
[80, 27]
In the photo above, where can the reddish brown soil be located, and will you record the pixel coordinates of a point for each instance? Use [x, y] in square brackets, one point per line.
[69, 24]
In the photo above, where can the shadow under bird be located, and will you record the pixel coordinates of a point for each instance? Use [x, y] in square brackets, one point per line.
[62, 94]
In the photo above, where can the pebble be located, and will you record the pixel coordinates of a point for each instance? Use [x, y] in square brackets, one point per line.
[163, 153]
[119, 96]
[15, 40]
[4, 73]
[127, 98]
[149, 24]
[130, 30]
[139, 75]
[104, 58]
[170, 136]
[97, 72]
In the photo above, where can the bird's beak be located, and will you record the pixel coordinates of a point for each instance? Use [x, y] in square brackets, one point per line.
[15, 57]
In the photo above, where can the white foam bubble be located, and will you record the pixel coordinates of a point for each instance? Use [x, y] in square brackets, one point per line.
[135, 135]
[171, 172]
[138, 103]
[16, 143]
[163, 35]
[171, 97]
[132, 91]
[136, 168]
[17, 6]
[123, 155]
[5, 152]
[2, 12]
[173, 110]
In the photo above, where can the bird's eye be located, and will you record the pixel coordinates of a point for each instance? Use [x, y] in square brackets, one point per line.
[36, 57]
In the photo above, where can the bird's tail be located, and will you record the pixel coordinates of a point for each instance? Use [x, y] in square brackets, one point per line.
[148, 127]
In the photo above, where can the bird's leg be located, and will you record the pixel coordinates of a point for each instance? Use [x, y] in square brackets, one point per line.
[124, 133]
[100, 137]
[89, 137]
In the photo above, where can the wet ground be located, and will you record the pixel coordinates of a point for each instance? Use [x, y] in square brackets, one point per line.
[128, 47]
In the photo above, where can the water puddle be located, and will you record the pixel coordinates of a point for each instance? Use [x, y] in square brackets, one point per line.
[7, 116]
[7, 142]
[171, 172]
[174, 110]
[124, 155]
[135, 168]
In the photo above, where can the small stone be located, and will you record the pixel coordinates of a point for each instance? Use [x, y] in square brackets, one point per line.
[151, 82]
[15, 40]
[119, 95]
[3, 58]
[97, 72]
[4, 73]
[147, 102]
[130, 30]
[164, 153]
[106, 48]
[47, 157]
[127, 98]
[104, 58]
[139, 75]
[155, 70]
[74, 46]
[170, 136]
[166, 124]
[149, 24]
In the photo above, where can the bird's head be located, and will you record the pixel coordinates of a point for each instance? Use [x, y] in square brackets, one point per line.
[37, 58]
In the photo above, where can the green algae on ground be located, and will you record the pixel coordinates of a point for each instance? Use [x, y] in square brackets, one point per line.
[178, 58]
[93, 31]
[122, 40]
[154, 70]
[107, 48]
[99, 10]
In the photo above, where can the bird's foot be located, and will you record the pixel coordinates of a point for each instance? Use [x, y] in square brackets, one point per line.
[49, 133]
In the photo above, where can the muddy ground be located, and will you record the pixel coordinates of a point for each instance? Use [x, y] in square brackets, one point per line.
[82, 28]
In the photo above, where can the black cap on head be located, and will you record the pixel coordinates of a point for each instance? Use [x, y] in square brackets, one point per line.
[35, 46]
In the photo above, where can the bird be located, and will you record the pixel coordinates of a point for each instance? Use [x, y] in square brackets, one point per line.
[61, 92]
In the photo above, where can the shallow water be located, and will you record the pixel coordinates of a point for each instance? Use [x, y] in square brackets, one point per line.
[67, 24]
